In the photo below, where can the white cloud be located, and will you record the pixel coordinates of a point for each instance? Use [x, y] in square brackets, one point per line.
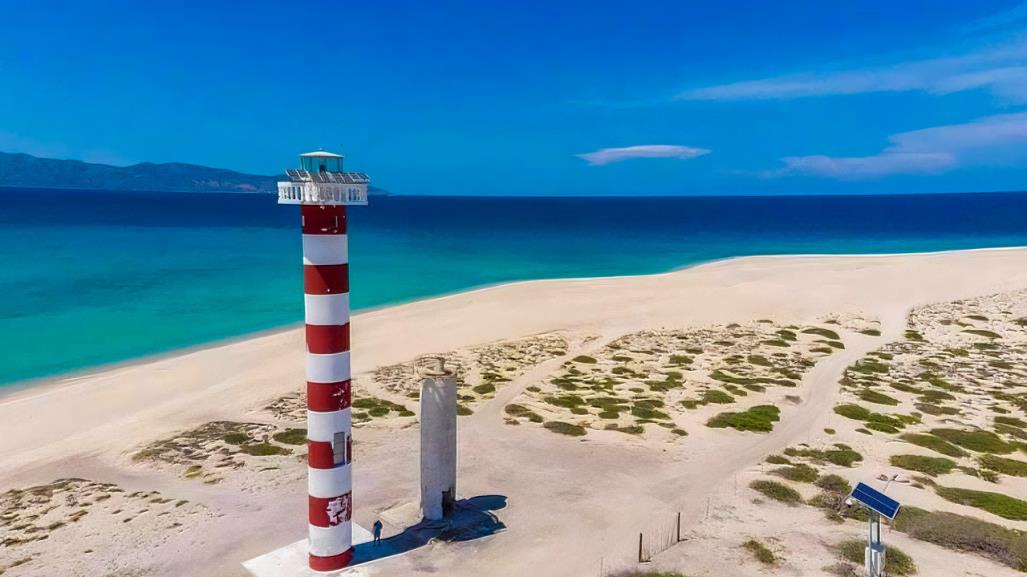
[608, 155]
[1000, 69]
[926, 151]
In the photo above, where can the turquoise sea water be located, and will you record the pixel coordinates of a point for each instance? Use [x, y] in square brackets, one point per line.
[89, 277]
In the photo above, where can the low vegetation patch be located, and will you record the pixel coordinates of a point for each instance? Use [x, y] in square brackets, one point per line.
[291, 436]
[967, 534]
[777, 491]
[932, 466]
[872, 396]
[834, 483]
[760, 552]
[565, 428]
[799, 473]
[979, 441]
[842, 454]
[1011, 467]
[826, 333]
[760, 418]
[263, 449]
[933, 443]
[996, 503]
[895, 561]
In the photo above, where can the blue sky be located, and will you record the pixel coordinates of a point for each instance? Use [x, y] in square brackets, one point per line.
[584, 97]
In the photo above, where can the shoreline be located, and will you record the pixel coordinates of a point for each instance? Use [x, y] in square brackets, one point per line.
[20, 389]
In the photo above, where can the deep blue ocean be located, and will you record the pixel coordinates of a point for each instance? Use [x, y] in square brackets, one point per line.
[90, 277]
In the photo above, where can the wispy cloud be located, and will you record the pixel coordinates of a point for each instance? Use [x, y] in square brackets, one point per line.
[926, 151]
[865, 167]
[1000, 69]
[608, 155]
[1011, 17]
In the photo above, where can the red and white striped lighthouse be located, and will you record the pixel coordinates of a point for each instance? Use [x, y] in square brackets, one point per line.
[323, 191]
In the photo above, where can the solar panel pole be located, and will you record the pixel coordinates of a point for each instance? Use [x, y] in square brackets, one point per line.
[874, 556]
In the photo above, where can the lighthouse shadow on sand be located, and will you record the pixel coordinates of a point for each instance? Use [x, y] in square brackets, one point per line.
[469, 519]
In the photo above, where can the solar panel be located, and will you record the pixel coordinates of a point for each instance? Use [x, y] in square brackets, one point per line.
[876, 500]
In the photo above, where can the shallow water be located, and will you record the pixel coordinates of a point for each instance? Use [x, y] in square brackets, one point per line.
[95, 277]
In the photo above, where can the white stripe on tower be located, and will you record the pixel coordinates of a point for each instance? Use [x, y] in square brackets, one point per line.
[329, 442]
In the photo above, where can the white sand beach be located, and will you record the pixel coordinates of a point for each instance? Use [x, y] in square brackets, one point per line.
[575, 504]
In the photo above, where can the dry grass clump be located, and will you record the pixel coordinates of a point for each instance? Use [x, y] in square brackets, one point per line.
[211, 451]
[479, 372]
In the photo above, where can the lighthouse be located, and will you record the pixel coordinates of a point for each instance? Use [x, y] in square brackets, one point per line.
[323, 191]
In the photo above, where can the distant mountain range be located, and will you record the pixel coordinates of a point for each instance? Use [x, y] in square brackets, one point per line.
[27, 171]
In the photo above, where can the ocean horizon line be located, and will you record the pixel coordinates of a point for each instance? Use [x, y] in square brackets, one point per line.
[389, 193]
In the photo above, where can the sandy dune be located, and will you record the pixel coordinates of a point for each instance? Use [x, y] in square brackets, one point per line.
[575, 505]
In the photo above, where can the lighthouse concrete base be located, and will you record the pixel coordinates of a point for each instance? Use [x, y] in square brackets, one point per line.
[291, 560]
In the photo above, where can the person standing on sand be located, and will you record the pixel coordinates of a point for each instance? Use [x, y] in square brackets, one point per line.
[377, 529]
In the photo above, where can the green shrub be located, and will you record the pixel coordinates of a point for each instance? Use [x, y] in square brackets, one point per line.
[800, 473]
[235, 438]
[1011, 467]
[716, 396]
[291, 436]
[872, 396]
[933, 443]
[565, 428]
[777, 491]
[584, 359]
[882, 427]
[760, 552]
[854, 412]
[484, 389]
[844, 457]
[980, 441]
[932, 466]
[983, 333]
[996, 503]
[760, 418]
[1011, 421]
[826, 333]
[778, 460]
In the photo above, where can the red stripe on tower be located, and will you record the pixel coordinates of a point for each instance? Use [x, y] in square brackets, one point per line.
[325, 397]
[326, 339]
[325, 279]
